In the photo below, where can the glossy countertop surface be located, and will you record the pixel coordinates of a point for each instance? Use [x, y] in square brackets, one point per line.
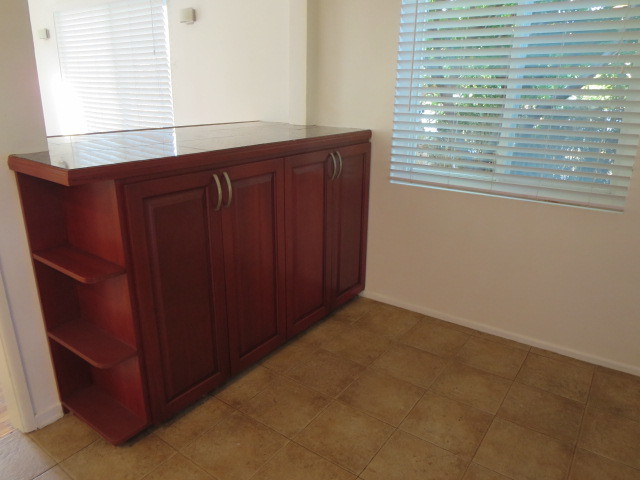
[112, 148]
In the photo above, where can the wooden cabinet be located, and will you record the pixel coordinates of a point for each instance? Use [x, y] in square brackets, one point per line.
[77, 246]
[308, 187]
[350, 205]
[208, 259]
[160, 279]
[253, 236]
[326, 220]
[176, 247]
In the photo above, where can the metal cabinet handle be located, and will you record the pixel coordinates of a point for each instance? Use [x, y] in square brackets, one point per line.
[229, 188]
[219, 187]
[340, 159]
[335, 166]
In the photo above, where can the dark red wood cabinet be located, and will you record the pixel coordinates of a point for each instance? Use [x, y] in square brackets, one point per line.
[326, 216]
[176, 248]
[160, 280]
[208, 258]
[253, 236]
[78, 251]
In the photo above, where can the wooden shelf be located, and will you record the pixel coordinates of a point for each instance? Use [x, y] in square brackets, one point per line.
[91, 344]
[112, 420]
[79, 265]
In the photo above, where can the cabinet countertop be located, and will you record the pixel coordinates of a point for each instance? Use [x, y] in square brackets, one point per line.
[78, 159]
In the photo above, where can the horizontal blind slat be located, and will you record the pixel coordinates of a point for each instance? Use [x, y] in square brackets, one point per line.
[414, 122]
[598, 116]
[596, 137]
[620, 178]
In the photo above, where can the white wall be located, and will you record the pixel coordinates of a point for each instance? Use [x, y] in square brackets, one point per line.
[563, 278]
[21, 129]
[232, 64]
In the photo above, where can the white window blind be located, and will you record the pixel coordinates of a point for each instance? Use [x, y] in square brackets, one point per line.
[114, 58]
[536, 99]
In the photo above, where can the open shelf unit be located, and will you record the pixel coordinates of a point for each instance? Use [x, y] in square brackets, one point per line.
[76, 242]
[79, 265]
[93, 345]
[115, 421]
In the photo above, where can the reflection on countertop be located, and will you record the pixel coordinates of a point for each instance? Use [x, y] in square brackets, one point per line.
[91, 150]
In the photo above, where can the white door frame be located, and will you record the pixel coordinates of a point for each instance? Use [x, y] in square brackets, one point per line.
[12, 376]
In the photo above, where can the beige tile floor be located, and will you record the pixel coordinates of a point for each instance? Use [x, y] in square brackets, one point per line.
[376, 393]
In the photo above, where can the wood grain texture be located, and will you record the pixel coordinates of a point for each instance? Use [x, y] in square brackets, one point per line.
[253, 234]
[308, 190]
[115, 422]
[92, 344]
[93, 222]
[177, 259]
[349, 216]
[43, 212]
[79, 265]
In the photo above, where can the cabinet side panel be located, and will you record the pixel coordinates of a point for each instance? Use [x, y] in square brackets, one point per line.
[42, 206]
[72, 374]
[122, 382]
[93, 221]
[107, 305]
[178, 240]
[306, 240]
[58, 296]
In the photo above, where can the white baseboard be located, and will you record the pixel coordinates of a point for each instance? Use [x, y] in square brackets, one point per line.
[587, 357]
[50, 415]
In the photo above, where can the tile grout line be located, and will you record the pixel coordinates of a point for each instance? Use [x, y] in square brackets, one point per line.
[325, 458]
[580, 430]
[601, 454]
[468, 461]
[623, 415]
[271, 456]
[377, 452]
[59, 463]
[197, 466]
[495, 415]
[200, 435]
[155, 467]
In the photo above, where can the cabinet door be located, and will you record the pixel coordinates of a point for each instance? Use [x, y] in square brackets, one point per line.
[253, 231]
[176, 249]
[350, 194]
[307, 190]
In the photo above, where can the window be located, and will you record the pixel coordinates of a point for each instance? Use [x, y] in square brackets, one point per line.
[114, 61]
[535, 99]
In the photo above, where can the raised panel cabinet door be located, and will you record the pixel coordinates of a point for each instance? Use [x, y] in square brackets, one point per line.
[350, 204]
[253, 233]
[176, 249]
[307, 189]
